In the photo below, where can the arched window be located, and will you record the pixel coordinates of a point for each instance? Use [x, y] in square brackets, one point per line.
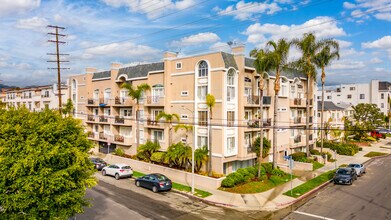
[284, 87]
[202, 69]
[231, 85]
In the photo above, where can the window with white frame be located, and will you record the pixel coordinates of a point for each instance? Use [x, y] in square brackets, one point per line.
[248, 115]
[184, 116]
[157, 135]
[96, 128]
[202, 92]
[141, 116]
[381, 105]
[107, 94]
[184, 93]
[141, 100]
[202, 141]
[293, 91]
[179, 65]
[382, 95]
[157, 90]
[106, 129]
[155, 113]
[248, 91]
[141, 136]
[230, 118]
[230, 145]
[125, 131]
[247, 140]
[284, 87]
[202, 118]
[231, 85]
[202, 69]
[126, 112]
[96, 94]
[123, 95]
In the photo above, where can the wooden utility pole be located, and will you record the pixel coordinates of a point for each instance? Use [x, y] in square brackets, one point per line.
[58, 60]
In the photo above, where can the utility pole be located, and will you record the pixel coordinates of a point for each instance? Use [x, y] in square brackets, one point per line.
[58, 61]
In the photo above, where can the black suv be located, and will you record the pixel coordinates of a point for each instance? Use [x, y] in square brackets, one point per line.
[98, 163]
[345, 175]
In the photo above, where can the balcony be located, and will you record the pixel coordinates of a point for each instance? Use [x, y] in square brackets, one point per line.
[155, 100]
[297, 120]
[103, 119]
[254, 100]
[250, 149]
[119, 138]
[152, 123]
[91, 135]
[119, 120]
[120, 101]
[255, 123]
[104, 102]
[310, 119]
[90, 101]
[102, 136]
[297, 139]
[91, 118]
[297, 102]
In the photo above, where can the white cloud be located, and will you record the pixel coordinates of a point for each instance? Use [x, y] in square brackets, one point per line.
[375, 60]
[34, 23]
[344, 44]
[152, 8]
[383, 16]
[348, 5]
[197, 39]
[18, 6]
[379, 69]
[384, 42]
[245, 11]
[220, 46]
[322, 27]
[347, 65]
[362, 8]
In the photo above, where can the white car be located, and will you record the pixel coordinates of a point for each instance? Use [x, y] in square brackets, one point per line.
[118, 171]
[360, 168]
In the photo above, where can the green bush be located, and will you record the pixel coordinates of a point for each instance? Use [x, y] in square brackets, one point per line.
[253, 170]
[159, 157]
[369, 138]
[329, 156]
[268, 167]
[228, 182]
[119, 152]
[348, 149]
[314, 152]
[237, 177]
[299, 156]
[278, 172]
[247, 176]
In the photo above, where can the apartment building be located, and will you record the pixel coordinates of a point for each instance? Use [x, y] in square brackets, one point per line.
[180, 85]
[36, 98]
[375, 92]
[334, 114]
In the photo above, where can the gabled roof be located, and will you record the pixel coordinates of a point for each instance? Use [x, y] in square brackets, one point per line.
[229, 60]
[328, 105]
[100, 75]
[140, 70]
[290, 74]
[384, 85]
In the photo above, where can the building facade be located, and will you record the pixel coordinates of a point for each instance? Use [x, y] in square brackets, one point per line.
[375, 92]
[36, 98]
[334, 115]
[179, 85]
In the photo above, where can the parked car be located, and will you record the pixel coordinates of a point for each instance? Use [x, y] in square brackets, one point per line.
[377, 134]
[118, 171]
[384, 131]
[156, 182]
[98, 163]
[360, 168]
[345, 175]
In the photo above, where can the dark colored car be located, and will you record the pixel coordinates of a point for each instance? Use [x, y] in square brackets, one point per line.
[345, 175]
[156, 182]
[98, 163]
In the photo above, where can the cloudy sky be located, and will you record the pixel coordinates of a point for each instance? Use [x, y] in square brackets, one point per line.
[136, 31]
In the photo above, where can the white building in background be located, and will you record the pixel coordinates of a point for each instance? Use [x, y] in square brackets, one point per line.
[36, 98]
[375, 92]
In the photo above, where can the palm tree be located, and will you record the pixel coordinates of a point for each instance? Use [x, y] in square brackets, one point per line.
[137, 94]
[262, 65]
[321, 60]
[278, 58]
[210, 102]
[187, 128]
[200, 156]
[309, 47]
[168, 118]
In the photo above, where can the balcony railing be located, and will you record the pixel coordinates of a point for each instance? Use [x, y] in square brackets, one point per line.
[254, 100]
[102, 136]
[103, 119]
[297, 139]
[250, 149]
[151, 121]
[255, 123]
[119, 120]
[297, 120]
[151, 100]
[297, 101]
[119, 138]
[91, 135]
[90, 118]
[90, 101]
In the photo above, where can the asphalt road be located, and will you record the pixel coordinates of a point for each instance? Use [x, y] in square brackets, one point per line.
[121, 199]
[368, 198]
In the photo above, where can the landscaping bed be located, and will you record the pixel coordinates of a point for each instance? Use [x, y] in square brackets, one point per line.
[375, 154]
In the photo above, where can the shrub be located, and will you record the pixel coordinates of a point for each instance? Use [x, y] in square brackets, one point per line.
[119, 152]
[314, 152]
[268, 167]
[159, 157]
[253, 170]
[247, 176]
[370, 139]
[145, 151]
[278, 172]
[237, 177]
[299, 156]
[228, 182]
[329, 156]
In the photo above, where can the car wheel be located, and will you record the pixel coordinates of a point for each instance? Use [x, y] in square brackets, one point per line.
[117, 176]
[130, 176]
[104, 172]
[137, 183]
[351, 182]
[154, 189]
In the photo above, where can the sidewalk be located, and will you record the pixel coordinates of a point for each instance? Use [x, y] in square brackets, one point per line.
[274, 199]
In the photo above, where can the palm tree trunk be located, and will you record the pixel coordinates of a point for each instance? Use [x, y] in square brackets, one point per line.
[276, 89]
[321, 118]
[261, 134]
[210, 146]
[170, 135]
[137, 128]
[307, 119]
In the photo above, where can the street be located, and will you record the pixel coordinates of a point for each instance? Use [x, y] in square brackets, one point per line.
[368, 198]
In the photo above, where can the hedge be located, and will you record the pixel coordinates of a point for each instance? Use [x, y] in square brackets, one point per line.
[342, 148]
[159, 157]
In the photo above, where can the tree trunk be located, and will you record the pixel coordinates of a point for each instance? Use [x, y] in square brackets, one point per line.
[276, 89]
[261, 134]
[170, 134]
[307, 120]
[321, 116]
[210, 146]
[137, 128]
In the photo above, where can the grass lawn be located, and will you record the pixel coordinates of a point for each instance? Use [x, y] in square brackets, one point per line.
[258, 186]
[180, 187]
[317, 165]
[311, 184]
[374, 154]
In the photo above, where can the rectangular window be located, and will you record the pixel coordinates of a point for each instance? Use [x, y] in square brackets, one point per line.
[125, 131]
[293, 91]
[184, 116]
[352, 88]
[202, 91]
[230, 118]
[328, 97]
[141, 136]
[141, 116]
[362, 96]
[155, 113]
[202, 118]
[96, 94]
[157, 135]
[248, 91]
[184, 93]
[247, 140]
[179, 65]
[126, 112]
[349, 96]
[381, 105]
[202, 141]
[230, 145]
[106, 129]
[248, 115]
[382, 96]
[107, 112]
[230, 93]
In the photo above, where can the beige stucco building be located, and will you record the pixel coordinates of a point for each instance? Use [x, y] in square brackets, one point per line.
[180, 85]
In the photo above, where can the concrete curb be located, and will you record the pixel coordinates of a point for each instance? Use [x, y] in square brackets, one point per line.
[204, 200]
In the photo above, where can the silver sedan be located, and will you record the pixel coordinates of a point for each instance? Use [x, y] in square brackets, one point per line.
[360, 168]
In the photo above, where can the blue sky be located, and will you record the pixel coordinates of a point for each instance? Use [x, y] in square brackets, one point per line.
[136, 31]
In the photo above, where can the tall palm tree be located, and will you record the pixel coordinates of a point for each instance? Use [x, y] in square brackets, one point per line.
[262, 65]
[169, 118]
[321, 60]
[137, 94]
[278, 58]
[309, 47]
[210, 102]
[187, 128]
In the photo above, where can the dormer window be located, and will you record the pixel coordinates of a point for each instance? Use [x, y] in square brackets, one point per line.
[202, 69]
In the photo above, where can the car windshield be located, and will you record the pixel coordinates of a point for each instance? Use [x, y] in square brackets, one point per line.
[125, 167]
[352, 165]
[161, 177]
[343, 172]
[99, 160]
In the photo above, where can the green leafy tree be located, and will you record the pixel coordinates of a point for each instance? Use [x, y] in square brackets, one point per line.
[178, 154]
[265, 147]
[210, 102]
[169, 118]
[44, 165]
[2, 104]
[200, 157]
[145, 151]
[262, 65]
[137, 93]
[278, 58]
[68, 107]
[366, 118]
